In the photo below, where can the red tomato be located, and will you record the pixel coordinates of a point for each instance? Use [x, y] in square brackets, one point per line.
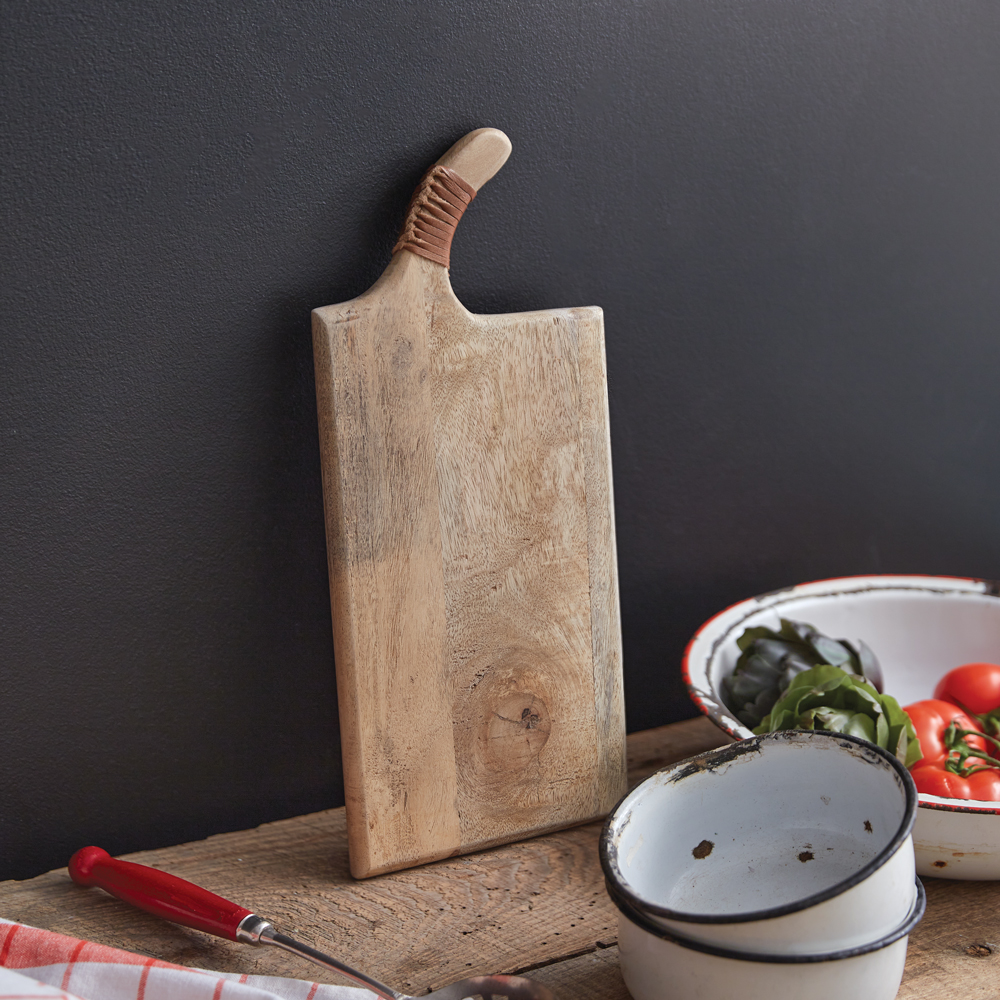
[933, 780]
[974, 687]
[986, 784]
[930, 719]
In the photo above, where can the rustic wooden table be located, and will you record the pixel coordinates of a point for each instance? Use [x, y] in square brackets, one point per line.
[537, 907]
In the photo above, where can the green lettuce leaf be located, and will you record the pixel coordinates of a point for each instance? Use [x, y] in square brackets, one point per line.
[829, 698]
[770, 659]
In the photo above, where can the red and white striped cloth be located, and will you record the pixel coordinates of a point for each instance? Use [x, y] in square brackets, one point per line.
[38, 963]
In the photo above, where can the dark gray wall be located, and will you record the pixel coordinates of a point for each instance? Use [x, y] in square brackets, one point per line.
[787, 208]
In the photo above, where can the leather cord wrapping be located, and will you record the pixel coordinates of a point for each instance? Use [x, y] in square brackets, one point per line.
[438, 203]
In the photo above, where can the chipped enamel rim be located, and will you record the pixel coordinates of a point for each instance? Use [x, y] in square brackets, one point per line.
[721, 626]
[643, 923]
[696, 765]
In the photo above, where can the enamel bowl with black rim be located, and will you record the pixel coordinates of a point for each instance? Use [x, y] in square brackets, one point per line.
[920, 627]
[659, 965]
[792, 843]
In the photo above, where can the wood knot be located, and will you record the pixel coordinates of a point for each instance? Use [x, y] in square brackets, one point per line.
[530, 719]
[517, 729]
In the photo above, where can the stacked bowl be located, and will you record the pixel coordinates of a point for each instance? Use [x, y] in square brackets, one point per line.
[780, 866]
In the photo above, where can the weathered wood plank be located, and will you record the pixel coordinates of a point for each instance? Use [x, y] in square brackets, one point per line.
[594, 976]
[955, 950]
[494, 911]
[500, 910]
[519, 908]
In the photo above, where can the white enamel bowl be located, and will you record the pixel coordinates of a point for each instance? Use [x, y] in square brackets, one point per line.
[920, 627]
[792, 843]
[658, 965]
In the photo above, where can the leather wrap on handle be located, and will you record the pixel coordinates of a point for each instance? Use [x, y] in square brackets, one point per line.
[446, 190]
[435, 209]
[157, 892]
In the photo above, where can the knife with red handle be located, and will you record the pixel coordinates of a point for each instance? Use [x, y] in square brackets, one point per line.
[183, 902]
[159, 893]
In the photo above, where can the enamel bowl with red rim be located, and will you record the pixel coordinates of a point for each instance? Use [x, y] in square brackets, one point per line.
[919, 627]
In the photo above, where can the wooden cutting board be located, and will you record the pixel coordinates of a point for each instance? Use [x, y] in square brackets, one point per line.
[470, 531]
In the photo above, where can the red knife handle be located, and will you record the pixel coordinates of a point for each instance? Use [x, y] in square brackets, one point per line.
[158, 892]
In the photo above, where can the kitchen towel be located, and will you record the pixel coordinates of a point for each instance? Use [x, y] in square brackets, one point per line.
[39, 963]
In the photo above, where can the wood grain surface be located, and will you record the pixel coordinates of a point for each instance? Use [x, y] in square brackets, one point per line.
[537, 907]
[470, 528]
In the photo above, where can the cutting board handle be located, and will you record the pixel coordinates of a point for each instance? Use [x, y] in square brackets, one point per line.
[446, 190]
[476, 157]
